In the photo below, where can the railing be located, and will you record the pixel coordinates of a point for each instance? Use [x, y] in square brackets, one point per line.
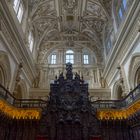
[133, 96]
[21, 103]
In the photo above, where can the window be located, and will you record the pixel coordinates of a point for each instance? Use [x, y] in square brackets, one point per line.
[86, 59]
[121, 8]
[30, 41]
[53, 59]
[124, 3]
[120, 13]
[70, 56]
[108, 47]
[18, 7]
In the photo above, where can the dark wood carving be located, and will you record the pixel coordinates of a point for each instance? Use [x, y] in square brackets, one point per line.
[69, 115]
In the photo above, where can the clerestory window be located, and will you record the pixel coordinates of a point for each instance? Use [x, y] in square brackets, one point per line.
[120, 10]
[19, 10]
[30, 41]
[53, 59]
[86, 59]
[70, 56]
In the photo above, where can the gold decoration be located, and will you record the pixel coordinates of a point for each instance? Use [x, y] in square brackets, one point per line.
[35, 113]
[19, 113]
[118, 114]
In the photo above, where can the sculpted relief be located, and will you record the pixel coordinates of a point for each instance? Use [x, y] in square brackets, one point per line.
[70, 4]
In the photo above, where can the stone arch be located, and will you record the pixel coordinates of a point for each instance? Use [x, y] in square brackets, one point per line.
[117, 90]
[5, 69]
[134, 70]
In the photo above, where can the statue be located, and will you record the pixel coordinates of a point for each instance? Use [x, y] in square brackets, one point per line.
[36, 81]
[18, 78]
[61, 77]
[77, 77]
[69, 74]
[102, 82]
[69, 67]
[70, 3]
[122, 84]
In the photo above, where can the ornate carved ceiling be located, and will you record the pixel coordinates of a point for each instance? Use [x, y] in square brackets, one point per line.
[70, 22]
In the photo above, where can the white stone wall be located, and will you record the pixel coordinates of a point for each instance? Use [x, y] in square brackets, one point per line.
[126, 47]
[13, 45]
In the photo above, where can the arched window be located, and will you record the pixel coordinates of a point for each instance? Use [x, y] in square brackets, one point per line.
[70, 56]
[53, 59]
[30, 41]
[86, 58]
[19, 10]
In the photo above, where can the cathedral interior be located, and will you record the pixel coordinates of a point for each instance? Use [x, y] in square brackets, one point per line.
[69, 69]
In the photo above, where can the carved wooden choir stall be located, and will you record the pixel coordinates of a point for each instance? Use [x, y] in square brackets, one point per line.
[69, 114]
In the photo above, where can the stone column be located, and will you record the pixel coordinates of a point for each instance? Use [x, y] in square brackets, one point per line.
[41, 85]
[60, 59]
[78, 56]
[45, 77]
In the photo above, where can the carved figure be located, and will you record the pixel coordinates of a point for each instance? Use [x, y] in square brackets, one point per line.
[102, 82]
[36, 81]
[61, 76]
[18, 78]
[69, 67]
[70, 3]
[69, 73]
[77, 77]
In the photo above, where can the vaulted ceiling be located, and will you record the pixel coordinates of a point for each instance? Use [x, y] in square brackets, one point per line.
[70, 22]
